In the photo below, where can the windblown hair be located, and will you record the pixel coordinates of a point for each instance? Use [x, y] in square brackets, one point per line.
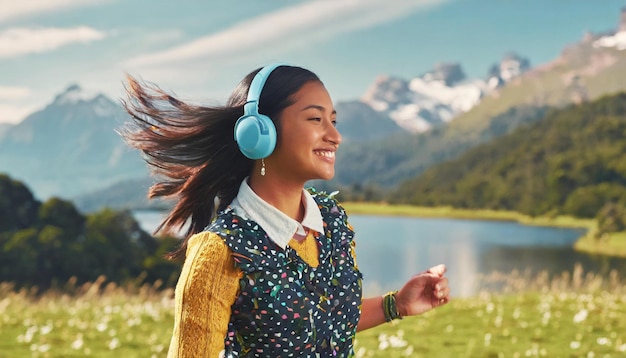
[191, 150]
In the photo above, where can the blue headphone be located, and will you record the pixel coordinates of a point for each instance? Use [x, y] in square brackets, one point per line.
[255, 133]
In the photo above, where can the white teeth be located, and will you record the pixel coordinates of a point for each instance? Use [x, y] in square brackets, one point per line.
[326, 154]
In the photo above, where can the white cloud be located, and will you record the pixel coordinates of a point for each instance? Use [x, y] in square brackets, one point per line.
[14, 103]
[292, 26]
[13, 9]
[14, 93]
[22, 41]
[14, 114]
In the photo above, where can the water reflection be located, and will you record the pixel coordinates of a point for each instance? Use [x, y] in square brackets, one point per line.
[392, 249]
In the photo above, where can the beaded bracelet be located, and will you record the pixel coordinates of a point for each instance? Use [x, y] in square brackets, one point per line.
[390, 308]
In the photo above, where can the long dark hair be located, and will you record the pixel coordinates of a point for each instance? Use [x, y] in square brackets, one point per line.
[190, 149]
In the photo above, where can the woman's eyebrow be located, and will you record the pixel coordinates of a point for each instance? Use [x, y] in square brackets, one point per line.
[318, 107]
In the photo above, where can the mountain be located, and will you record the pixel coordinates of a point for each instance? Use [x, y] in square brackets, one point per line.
[572, 162]
[387, 162]
[593, 67]
[424, 102]
[511, 66]
[356, 121]
[4, 127]
[70, 146]
[71, 149]
[438, 96]
[125, 194]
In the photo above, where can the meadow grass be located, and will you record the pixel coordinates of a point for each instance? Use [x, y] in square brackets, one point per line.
[94, 320]
[574, 315]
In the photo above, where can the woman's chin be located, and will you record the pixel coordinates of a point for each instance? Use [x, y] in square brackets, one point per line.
[327, 176]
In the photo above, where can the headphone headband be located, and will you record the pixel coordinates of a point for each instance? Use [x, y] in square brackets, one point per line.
[256, 87]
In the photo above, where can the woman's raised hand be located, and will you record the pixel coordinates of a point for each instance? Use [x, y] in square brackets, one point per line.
[423, 292]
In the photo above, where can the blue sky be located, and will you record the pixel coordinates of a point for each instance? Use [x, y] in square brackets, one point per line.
[200, 50]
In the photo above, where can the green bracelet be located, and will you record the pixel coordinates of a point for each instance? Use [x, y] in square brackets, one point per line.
[390, 307]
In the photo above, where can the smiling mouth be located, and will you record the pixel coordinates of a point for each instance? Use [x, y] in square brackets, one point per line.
[325, 153]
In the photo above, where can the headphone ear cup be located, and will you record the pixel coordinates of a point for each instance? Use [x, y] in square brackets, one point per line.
[255, 135]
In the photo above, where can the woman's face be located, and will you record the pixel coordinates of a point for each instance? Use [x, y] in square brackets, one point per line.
[307, 138]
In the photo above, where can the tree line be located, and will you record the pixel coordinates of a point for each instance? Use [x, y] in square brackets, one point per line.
[46, 244]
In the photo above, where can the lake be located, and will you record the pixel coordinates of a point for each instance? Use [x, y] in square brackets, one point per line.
[392, 249]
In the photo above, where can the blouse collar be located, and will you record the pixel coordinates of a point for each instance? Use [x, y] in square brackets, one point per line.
[279, 227]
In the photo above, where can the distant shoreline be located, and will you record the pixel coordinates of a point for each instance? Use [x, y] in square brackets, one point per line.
[611, 245]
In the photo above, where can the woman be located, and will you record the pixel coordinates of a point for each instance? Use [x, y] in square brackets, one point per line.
[269, 267]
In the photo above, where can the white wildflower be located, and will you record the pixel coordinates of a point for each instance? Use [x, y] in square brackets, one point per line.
[397, 342]
[361, 352]
[581, 316]
[28, 336]
[78, 342]
[382, 345]
[114, 343]
[489, 307]
[498, 321]
[45, 329]
[603, 341]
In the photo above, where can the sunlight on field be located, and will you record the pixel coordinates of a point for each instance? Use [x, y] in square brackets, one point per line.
[608, 244]
[577, 314]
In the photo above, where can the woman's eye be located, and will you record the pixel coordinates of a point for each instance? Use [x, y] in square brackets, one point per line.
[317, 119]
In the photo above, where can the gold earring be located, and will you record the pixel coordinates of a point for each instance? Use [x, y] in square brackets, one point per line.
[262, 167]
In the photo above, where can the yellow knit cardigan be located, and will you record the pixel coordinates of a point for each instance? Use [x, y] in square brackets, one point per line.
[207, 288]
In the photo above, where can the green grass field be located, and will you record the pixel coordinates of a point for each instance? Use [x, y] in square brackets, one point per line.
[575, 315]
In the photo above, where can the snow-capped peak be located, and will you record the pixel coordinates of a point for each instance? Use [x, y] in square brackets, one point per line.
[510, 67]
[100, 104]
[618, 41]
[74, 94]
[420, 103]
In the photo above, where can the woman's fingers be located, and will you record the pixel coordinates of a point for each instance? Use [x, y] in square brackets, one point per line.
[441, 292]
[438, 270]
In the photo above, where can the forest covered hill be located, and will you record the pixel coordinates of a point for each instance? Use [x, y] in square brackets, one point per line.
[573, 162]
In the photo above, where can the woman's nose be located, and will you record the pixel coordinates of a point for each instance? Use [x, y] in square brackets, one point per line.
[332, 134]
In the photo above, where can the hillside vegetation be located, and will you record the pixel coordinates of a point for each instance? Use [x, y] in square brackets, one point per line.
[571, 163]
